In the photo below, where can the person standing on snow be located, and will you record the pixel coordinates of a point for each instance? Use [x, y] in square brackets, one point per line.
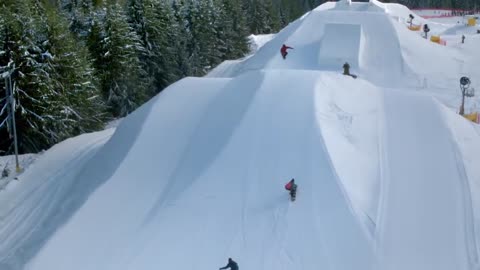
[346, 70]
[231, 264]
[283, 50]
[292, 187]
[426, 29]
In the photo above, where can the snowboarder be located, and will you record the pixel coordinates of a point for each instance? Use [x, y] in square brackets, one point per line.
[346, 70]
[463, 39]
[292, 187]
[426, 29]
[283, 50]
[410, 20]
[231, 264]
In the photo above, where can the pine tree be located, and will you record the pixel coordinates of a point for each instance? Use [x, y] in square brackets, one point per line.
[83, 108]
[38, 105]
[214, 43]
[4, 142]
[124, 82]
[232, 18]
[260, 20]
[154, 23]
[289, 11]
[200, 24]
[81, 18]
[183, 38]
[273, 16]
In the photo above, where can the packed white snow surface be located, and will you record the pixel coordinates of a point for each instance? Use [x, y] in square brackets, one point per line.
[8, 169]
[216, 189]
[44, 196]
[416, 162]
[387, 172]
[257, 41]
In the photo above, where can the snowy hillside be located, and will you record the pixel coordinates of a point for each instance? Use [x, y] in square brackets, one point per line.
[387, 171]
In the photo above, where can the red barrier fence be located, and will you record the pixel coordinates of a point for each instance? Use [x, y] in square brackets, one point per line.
[428, 13]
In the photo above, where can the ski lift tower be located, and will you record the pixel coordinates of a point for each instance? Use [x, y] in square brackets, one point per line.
[466, 92]
[6, 74]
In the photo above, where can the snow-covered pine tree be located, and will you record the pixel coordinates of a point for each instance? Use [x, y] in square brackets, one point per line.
[167, 44]
[258, 17]
[200, 23]
[84, 109]
[81, 18]
[38, 105]
[236, 31]
[154, 23]
[273, 16]
[183, 38]
[289, 11]
[94, 40]
[215, 42]
[4, 141]
[124, 82]
[224, 30]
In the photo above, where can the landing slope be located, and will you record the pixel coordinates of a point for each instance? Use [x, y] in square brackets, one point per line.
[209, 185]
[425, 195]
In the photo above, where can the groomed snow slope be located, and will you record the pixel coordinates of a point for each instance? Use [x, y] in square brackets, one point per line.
[215, 190]
[425, 195]
[209, 191]
[45, 196]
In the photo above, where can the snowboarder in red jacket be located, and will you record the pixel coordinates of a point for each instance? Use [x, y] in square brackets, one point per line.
[292, 187]
[283, 50]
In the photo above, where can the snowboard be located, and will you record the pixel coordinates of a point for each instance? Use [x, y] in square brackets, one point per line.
[292, 198]
[351, 75]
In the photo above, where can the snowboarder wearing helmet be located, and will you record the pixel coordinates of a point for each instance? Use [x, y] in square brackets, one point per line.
[292, 187]
[283, 50]
[231, 264]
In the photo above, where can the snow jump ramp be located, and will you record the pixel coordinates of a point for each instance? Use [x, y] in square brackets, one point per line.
[174, 197]
[326, 39]
[334, 51]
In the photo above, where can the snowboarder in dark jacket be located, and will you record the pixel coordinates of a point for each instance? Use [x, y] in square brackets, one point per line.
[283, 50]
[292, 187]
[346, 70]
[231, 264]
[426, 29]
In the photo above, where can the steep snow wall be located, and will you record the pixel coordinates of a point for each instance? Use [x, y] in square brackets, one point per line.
[334, 51]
